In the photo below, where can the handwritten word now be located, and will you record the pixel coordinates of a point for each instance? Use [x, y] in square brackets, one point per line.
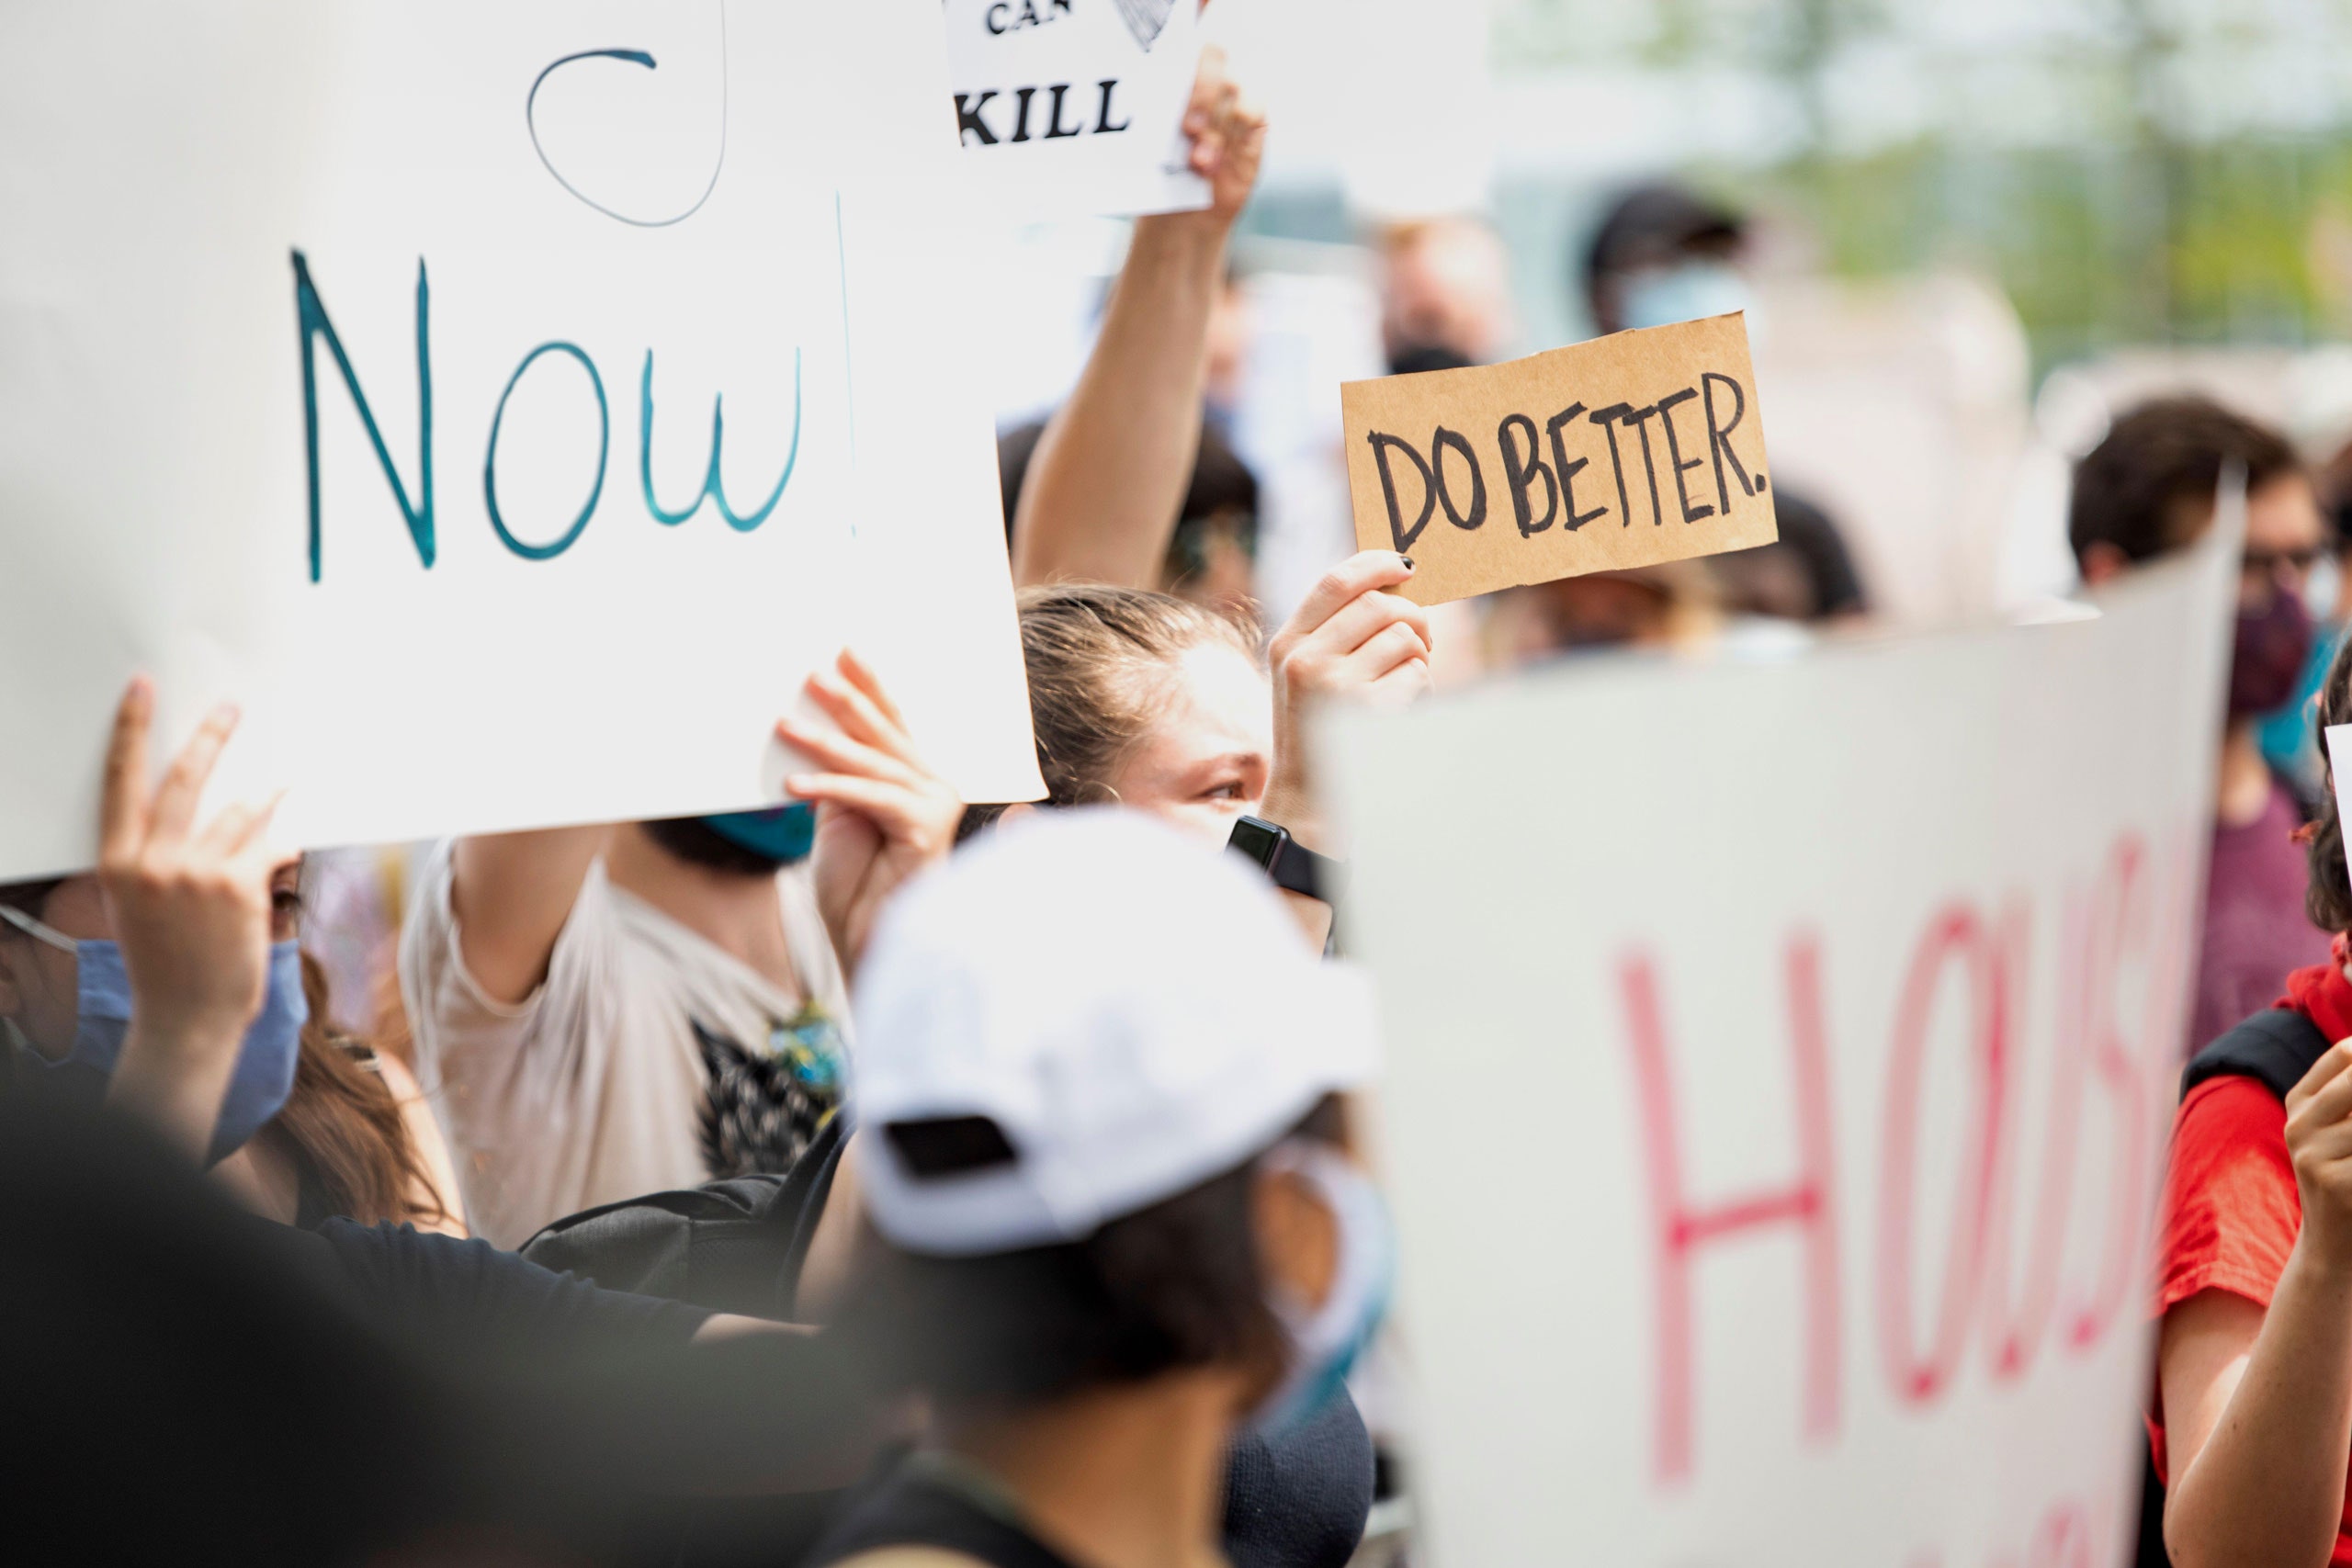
[1519, 455]
[1986, 958]
[314, 326]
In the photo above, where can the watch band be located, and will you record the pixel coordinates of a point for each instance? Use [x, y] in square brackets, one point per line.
[1292, 865]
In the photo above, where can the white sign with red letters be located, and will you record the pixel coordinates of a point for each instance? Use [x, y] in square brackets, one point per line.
[1779, 1065]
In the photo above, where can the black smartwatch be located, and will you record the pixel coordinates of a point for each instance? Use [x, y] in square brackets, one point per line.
[1294, 867]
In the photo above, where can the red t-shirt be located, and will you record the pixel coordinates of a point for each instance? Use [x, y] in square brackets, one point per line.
[2231, 1210]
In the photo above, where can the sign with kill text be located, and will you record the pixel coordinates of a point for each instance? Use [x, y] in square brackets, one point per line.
[1781, 1059]
[1074, 107]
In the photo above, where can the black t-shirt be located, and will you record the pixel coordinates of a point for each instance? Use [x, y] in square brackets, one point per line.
[926, 1501]
[468, 1298]
[243, 1374]
[1297, 1500]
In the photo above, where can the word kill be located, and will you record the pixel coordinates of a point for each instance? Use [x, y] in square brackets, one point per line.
[1721, 404]
[313, 324]
[972, 124]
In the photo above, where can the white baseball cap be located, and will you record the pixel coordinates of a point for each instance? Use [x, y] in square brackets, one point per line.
[1114, 1012]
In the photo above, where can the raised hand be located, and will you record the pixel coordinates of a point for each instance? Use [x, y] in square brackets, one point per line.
[1350, 639]
[191, 912]
[882, 814]
[1229, 136]
[2319, 1140]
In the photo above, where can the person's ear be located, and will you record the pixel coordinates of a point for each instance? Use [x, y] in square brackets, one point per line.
[1297, 1235]
[2102, 563]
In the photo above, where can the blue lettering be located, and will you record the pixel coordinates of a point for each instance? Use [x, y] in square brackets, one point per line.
[490, 460]
[712, 486]
[311, 318]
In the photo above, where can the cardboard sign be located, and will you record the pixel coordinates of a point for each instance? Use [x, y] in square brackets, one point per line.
[1071, 108]
[1782, 1059]
[508, 406]
[1640, 447]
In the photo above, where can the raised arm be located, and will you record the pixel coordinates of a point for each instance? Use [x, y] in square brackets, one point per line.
[511, 893]
[1108, 479]
[190, 908]
[2259, 1402]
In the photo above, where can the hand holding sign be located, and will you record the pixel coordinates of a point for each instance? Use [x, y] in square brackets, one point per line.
[1228, 137]
[883, 815]
[2319, 1140]
[1640, 447]
[1355, 636]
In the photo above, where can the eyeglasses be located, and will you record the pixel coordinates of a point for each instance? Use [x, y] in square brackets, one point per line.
[2265, 563]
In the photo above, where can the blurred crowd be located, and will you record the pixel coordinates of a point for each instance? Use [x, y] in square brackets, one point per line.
[877, 1172]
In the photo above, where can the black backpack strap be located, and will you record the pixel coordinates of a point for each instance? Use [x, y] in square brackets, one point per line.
[734, 1245]
[2275, 1048]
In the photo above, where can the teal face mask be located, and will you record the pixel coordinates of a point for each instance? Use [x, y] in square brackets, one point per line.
[781, 833]
[265, 1072]
[1687, 291]
[1327, 1341]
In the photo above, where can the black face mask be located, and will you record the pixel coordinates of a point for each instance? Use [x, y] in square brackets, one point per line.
[694, 841]
[2266, 658]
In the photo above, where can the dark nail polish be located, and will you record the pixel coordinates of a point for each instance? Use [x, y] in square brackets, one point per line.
[1408, 561]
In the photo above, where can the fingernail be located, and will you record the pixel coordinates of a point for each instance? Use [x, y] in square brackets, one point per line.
[1407, 561]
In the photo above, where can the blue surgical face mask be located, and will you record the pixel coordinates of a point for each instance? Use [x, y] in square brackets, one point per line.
[1327, 1341]
[265, 1071]
[781, 833]
[1687, 291]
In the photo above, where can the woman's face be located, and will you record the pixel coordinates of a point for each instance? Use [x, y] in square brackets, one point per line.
[1207, 756]
[40, 983]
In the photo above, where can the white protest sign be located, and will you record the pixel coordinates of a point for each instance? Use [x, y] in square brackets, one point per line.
[1069, 107]
[2339, 767]
[1780, 1062]
[509, 405]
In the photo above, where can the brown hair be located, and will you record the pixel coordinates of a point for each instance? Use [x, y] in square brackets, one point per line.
[340, 1127]
[1098, 658]
[2328, 897]
[2131, 490]
[344, 1130]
